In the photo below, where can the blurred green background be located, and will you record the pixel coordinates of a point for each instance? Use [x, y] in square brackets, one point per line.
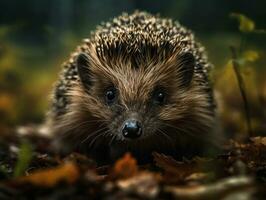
[36, 37]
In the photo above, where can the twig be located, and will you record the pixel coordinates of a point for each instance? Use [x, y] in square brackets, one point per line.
[241, 86]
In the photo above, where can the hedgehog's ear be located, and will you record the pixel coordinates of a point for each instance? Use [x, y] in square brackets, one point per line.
[83, 68]
[186, 68]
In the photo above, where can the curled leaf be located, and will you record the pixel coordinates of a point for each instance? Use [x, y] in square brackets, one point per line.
[125, 167]
[259, 141]
[250, 56]
[145, 184]
[245, 24]
[174, 171]
[67, 172]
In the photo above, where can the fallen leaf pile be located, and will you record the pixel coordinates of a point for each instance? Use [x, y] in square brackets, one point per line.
[240, 172]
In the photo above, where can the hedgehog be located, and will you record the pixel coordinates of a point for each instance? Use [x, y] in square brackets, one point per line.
[139, 84]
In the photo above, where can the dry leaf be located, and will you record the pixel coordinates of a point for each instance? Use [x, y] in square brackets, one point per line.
[67, 172]
[250, 55]
[175, 171]
[125, 167]
[259, 140]
[245, 24]
[217, 190]
[144, 184]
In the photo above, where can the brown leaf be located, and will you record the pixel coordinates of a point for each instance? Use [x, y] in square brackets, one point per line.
[198, 177]
[67, 172]
[218, 190]
[259, 140]
[145, 184]
[252, 154]
[125, 167]
[175, 171]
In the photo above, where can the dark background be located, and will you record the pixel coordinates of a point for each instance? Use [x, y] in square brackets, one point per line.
[37, 36]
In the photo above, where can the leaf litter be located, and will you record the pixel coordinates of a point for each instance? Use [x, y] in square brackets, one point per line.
[28, 171]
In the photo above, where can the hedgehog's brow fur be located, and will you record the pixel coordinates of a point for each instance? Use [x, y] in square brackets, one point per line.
[136, 83]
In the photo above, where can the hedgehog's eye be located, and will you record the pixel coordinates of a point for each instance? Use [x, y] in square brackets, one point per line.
[110, 95]
[159, 97]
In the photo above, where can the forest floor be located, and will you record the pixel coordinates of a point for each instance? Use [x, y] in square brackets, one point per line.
[28, 171]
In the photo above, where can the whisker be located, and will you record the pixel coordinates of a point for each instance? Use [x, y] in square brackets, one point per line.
[165, 135]
[80, 125]
[93, 134]
[190, 130]
[98, 136]
[180, 130]
[171, 126]
[168, 138]
[112, 139]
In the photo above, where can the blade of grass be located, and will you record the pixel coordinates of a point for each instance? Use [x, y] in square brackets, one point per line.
[24, 158]
[3, 171]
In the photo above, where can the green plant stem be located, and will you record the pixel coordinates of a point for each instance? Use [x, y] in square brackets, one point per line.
[242, 43]
[241, 86]
[24, 158]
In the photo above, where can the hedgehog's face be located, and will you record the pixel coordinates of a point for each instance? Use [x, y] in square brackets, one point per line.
[141, 102]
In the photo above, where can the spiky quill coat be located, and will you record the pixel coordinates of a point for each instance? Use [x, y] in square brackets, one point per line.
[136, 54]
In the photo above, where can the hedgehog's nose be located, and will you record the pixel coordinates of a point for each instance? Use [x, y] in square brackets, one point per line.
[132, 129]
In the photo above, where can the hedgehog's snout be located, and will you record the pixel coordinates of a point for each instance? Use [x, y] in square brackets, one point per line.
[132, 127]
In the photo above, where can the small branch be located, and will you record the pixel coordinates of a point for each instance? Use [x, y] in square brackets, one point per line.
[241, 86]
